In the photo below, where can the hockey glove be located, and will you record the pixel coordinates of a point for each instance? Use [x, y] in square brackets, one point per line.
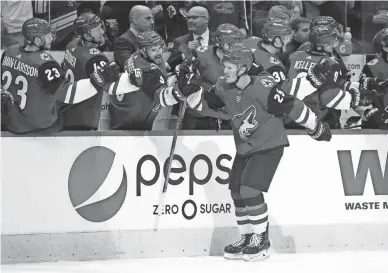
[361, 97]
[324, 73]
[106, 75]
[378, 84]
[321, 133]
[189, 83]
[376, 119]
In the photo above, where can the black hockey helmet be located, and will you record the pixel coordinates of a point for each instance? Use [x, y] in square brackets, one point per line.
[36, 28]
[327, 21]
[380, 42]
[228, 34]
[240, 55]
[323, 36]
[149, 38]
[277, 28]
[86, 22]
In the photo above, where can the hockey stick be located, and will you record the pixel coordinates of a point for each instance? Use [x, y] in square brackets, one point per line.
[162, 195]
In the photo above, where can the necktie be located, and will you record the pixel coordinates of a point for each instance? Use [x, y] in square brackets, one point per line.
[199, 40]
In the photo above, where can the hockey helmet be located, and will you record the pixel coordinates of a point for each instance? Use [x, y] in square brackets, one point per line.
[86, 22]
[327, 21]
[229, 34]
[380, 42]
[36, 28]
[322, 36]
[277, 28]
[381, 38]
[149, 38]
[240, 55]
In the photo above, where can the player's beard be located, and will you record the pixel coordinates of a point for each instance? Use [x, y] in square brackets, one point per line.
[158, 59]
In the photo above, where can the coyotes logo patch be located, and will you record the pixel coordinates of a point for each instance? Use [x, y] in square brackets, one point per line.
[246, 122]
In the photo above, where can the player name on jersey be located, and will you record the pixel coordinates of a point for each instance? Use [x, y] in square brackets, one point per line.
[20, 66]
[70, 58]
[304, 65]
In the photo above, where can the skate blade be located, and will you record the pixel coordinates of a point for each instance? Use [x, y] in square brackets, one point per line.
[229, 256]
[256, 257]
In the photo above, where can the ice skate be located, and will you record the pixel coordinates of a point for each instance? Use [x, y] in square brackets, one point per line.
[258, 248]
[234, 250]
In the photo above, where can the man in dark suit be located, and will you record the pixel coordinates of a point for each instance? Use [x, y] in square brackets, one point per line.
[199, 35]
[141, 19]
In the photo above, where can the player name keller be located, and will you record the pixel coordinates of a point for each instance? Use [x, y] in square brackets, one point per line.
[20, 66]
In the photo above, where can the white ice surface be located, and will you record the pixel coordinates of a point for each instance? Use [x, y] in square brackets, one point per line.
[341, 262]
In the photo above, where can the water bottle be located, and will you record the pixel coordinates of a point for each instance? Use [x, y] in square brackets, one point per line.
[346, 47]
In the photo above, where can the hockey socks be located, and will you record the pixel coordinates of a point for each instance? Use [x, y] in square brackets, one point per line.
[257, 213]
[242, 217]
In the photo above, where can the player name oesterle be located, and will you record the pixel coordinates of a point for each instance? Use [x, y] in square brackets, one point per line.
[20, 66]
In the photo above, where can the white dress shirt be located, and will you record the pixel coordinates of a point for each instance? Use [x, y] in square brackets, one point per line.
[205, 38]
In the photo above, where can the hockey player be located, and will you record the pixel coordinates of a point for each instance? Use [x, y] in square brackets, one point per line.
[82, 57]
[377, 116]
[255, 106]
[149, 87]
[35, 81]
[319, 22]
[341, 94]
[210, 68]
[276, 35]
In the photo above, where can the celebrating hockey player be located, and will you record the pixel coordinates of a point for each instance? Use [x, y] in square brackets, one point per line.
[149, 87]
[276, 35]
[210, 68]
[35, 81]
[256, 106]
[81, 59]
[377, 116]
[341, 94]
[319, 22]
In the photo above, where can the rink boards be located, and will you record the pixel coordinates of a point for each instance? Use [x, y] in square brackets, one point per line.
[95, 195]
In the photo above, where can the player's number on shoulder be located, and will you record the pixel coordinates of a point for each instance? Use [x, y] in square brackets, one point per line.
[96, 66]
[279, 96]
[21, 82]
[278, 76]
[52, 74]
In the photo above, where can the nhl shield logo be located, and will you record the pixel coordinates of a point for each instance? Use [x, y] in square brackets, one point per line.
[273, 60]
[45, 57]
[94, 51]
[267, 83]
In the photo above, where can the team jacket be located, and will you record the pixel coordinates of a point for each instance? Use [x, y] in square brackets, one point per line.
[79, 62]
[37, 82]
[256, 112]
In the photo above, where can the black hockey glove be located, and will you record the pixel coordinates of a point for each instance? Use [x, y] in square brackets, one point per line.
[7, 102]
[189, 83]
[326, 72]
[376, 119]
[109, 73]
[321, 133]
[378, 84]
